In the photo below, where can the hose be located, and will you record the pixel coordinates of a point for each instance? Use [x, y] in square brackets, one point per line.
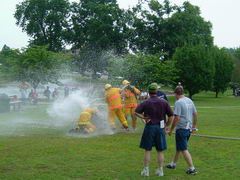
[216, 137]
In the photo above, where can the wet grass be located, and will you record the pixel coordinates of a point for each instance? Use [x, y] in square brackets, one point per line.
[50, 155]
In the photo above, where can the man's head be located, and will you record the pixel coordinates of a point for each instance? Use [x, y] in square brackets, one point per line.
[107, 86]
[152, 89]
[179, 92]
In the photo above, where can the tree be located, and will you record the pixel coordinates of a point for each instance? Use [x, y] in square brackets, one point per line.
[37, 66]
[116, 67]
[45, 21]
[235, 81]
[99, 25]
[8, 58]
[223, 70]
[237, 53]
[162, 27]
[91, 60]
[195, 67]
[141, 70]
[147, 26]
[187, 27]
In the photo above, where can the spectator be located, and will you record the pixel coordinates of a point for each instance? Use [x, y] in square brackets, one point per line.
[185, 119]
[30, 96]
[66, 92]
[35, 97]
[161, 94]
[47, 93]
[23, 92]
[143, 96]
[55, 93]
[152, 112]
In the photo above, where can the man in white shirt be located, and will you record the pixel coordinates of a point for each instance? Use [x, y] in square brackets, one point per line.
[185, 119]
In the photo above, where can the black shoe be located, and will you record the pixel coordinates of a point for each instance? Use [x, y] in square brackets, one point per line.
[190, 171]
[170, 166]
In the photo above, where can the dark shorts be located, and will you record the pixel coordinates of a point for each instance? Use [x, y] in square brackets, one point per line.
[153, 135]
[182, 136]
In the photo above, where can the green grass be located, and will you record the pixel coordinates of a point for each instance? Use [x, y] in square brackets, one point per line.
[46, 153]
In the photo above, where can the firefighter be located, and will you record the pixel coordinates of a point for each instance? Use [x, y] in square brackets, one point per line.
[129, 94]
[113, 99]
[84, 123]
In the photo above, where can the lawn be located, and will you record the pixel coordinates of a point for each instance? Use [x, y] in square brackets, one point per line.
[45, 152]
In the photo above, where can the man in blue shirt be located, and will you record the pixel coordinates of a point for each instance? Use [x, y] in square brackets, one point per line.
[153, 112]
[160, 93]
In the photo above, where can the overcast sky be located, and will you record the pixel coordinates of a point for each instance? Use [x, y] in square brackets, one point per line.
[223, 14]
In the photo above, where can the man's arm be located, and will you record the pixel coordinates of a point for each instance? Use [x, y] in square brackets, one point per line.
[170, 116]
[174, 124]
[195, 117]
[141, 116]
[169, 121]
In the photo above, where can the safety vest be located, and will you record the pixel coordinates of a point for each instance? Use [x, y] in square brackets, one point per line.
[113, 98]
[130, 99]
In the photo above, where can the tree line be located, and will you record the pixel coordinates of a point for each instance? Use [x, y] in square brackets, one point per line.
[153, 41]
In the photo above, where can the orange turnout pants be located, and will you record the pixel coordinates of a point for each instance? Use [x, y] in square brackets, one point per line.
[130, 111]
[113, 113]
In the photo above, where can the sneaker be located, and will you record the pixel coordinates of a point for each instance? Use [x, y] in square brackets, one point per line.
[159, 172]
[145, 172]
[191, 171]
[170, 166]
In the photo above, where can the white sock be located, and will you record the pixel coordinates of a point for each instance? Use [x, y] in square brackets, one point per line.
[159, 171]
[192, 168]
[173, 164]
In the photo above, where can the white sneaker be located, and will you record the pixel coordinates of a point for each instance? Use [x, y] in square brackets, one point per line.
[145, 172]
[159, 172]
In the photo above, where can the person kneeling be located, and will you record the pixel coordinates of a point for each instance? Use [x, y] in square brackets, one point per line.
[84, 124]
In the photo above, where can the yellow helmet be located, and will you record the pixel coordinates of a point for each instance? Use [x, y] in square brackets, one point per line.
[107, 86]
[125, 82]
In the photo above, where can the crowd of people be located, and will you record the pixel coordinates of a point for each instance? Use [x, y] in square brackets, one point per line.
[33, 96]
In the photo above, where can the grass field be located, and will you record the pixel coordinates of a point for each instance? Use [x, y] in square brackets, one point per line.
[45, 152]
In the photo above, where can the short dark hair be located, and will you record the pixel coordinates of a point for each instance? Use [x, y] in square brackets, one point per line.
[179, 90]
[152, 91]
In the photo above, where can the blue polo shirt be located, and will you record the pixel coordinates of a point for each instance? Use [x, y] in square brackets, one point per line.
[155, 108]
[162, 95]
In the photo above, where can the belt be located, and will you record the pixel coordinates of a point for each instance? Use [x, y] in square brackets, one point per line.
[151, 123]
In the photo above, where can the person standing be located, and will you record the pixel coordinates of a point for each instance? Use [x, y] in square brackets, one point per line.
[160, 93]
[55, 93]
[152, 112]
[47, 93]
[66, 92]
[129, 94]
[185, 119]
[113, 99]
